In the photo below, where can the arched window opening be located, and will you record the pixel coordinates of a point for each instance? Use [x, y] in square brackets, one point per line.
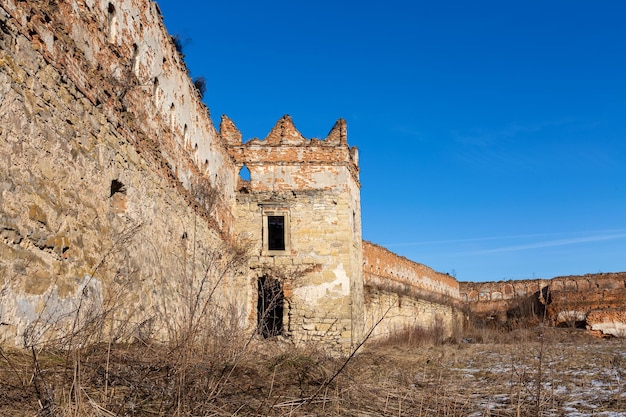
[111, 22]
[270, 307]
[244, 173]
[186, 136]
[156, 92]
[135, 59]
[172, 117]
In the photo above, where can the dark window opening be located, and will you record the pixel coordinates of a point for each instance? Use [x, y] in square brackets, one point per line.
[117, 187]
[270, 307]
[276, 232]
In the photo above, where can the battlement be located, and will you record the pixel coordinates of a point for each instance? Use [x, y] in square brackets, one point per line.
[300, 158]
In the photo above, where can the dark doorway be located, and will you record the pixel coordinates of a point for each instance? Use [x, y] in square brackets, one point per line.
[270, 307]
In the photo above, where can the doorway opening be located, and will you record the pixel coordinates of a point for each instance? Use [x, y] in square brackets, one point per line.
[270, 307]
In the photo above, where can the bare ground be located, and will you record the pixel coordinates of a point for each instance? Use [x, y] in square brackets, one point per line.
[528, 372]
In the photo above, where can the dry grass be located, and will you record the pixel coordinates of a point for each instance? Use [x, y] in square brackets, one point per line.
[548, 372]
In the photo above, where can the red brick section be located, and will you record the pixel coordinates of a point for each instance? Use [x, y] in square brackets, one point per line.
[495, 299]
[586, 293]
[562, 296]
[382, 268]
[610, 321]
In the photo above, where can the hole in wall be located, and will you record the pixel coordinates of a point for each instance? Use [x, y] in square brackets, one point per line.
[117, 187]
[244, 173]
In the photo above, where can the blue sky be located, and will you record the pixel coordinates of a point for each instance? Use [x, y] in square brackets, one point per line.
[492, 135]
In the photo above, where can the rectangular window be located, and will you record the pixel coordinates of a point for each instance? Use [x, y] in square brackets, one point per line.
[276, 232]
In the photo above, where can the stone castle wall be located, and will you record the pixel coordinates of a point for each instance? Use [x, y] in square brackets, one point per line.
[502, 299]
[408, 294]
[110, 208]
[121, 206]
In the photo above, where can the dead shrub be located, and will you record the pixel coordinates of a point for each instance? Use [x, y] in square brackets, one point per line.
[415, 336]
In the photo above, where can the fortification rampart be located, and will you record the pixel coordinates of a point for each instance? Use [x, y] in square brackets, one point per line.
[407, 294]
[597, 301]
[119, 56]
[504, 299]
[382, 267]
[116, 191]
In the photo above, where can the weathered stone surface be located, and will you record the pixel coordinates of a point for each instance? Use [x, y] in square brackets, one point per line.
[75, 118]
[408, 294]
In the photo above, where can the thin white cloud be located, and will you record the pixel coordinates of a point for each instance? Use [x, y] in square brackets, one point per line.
[473, 239]
[551, 243]
[596, 234]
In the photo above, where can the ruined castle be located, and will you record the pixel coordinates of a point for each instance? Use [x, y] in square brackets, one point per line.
[122, 206]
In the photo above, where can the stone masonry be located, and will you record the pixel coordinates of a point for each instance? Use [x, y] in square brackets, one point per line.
[314, 186]
[122, 208]
[121, 202]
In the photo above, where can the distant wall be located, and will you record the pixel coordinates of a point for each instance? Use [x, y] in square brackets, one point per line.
[573, 298]
[566, 300]
[503, 299]
[383, 267]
